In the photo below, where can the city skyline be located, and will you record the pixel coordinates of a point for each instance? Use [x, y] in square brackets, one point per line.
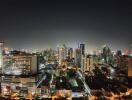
[39, 25]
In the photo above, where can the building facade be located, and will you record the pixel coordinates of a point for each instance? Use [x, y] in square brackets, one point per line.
[20, 64]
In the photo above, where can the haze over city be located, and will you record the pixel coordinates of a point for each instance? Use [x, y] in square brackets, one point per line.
[44, 24]
[65, 50]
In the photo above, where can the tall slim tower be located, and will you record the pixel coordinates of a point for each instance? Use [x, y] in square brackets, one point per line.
[1, 57]
[78, 58]
[70, 53]
[82, 48]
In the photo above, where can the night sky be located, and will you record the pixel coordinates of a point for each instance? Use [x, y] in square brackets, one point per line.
[40, 24]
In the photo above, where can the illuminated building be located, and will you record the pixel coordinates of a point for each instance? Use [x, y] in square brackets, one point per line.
[127, 51]
[1, 56]
[82, 63]
[19, 70]
[62, 53]
[82, 48]
[89, 61]
[78, 57]
[20, 63]
[106, 54]
[49, 54]
[130, 67]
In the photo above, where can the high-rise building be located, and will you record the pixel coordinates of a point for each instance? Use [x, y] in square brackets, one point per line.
[78, 57]
[62, 53]
[89, 61]
[70, 53]
[82, 63]
[82, 48]
[1, 56]
[106, 54]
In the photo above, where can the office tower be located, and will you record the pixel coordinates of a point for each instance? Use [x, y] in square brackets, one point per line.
[78, 58]
[106, 54]
[82, 48]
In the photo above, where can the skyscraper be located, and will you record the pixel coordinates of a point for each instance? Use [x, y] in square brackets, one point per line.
[106, 54]
[89, 62]
[62, 53]
[1, 56]
[82, 48]
[78, 57]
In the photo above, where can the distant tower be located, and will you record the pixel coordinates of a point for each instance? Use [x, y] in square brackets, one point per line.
[118, 53]
[78, 58]
[127, 51]
[82, 48]
[1, 56]
[70, 53]
[106, 53]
